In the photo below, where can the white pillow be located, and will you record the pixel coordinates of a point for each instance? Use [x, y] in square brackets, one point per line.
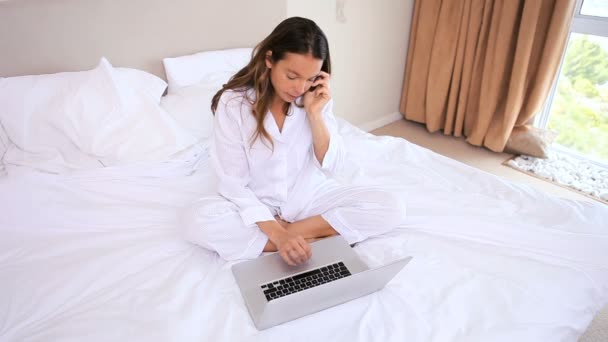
[191, 108]
[88, 119]
[39, 114]
[144, 82]
[140, 131]
[191, 69]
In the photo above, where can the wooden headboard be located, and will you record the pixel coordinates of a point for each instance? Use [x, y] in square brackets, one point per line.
[47, 36]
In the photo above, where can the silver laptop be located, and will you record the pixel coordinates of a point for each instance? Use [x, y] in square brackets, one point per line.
[275, 292]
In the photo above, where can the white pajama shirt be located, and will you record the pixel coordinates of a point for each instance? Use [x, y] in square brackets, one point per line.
[258, 180]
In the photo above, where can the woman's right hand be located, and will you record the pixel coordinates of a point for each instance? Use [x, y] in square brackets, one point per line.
[292, 248]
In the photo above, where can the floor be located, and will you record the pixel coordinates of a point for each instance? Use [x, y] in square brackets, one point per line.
[481, 158]
[459, 149]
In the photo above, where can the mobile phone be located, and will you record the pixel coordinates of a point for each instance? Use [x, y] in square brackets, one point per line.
[313, 81]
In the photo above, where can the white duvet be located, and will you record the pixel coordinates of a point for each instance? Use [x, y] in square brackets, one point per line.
[95, 256]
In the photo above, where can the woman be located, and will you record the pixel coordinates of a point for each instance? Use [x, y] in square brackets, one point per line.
[275, 150]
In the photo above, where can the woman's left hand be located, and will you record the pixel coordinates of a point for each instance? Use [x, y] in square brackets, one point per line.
[315, 100]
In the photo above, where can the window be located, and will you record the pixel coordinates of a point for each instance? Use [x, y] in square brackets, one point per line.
[595, 8]
[578, 103]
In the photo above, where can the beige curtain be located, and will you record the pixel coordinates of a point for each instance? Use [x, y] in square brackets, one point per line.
[479, 68]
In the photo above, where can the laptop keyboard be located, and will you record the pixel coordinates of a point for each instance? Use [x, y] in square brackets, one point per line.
[303, 281]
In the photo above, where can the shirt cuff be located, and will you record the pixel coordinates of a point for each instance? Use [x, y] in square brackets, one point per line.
[255, 214]
[330, 155]
[256, 247]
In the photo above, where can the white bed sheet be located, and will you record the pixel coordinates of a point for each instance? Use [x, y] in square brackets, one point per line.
[95, 256]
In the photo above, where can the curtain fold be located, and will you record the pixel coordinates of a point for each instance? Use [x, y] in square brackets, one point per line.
[479, 68]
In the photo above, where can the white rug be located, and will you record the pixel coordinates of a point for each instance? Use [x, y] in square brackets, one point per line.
[577, 174]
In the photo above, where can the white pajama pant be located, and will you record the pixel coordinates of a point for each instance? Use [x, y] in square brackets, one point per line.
[355, 212]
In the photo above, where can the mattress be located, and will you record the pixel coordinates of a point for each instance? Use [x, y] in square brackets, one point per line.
[96, 255]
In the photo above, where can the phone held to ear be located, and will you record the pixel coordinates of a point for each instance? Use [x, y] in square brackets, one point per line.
[315, 87]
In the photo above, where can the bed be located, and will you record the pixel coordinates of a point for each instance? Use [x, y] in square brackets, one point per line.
[90, 246]
[97, 256]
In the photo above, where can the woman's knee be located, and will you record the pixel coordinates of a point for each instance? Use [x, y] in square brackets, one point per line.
[199, 220]
[388, 206]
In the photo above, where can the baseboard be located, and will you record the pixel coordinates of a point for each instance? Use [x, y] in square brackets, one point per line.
[382, 121]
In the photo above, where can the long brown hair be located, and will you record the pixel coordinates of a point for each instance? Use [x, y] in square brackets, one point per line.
[295, 35]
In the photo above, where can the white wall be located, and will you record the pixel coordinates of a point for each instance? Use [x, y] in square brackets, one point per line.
[368, 53]
[43, 36]
[368, 50]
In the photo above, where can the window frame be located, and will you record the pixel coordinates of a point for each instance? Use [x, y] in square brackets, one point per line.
[582, 24]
